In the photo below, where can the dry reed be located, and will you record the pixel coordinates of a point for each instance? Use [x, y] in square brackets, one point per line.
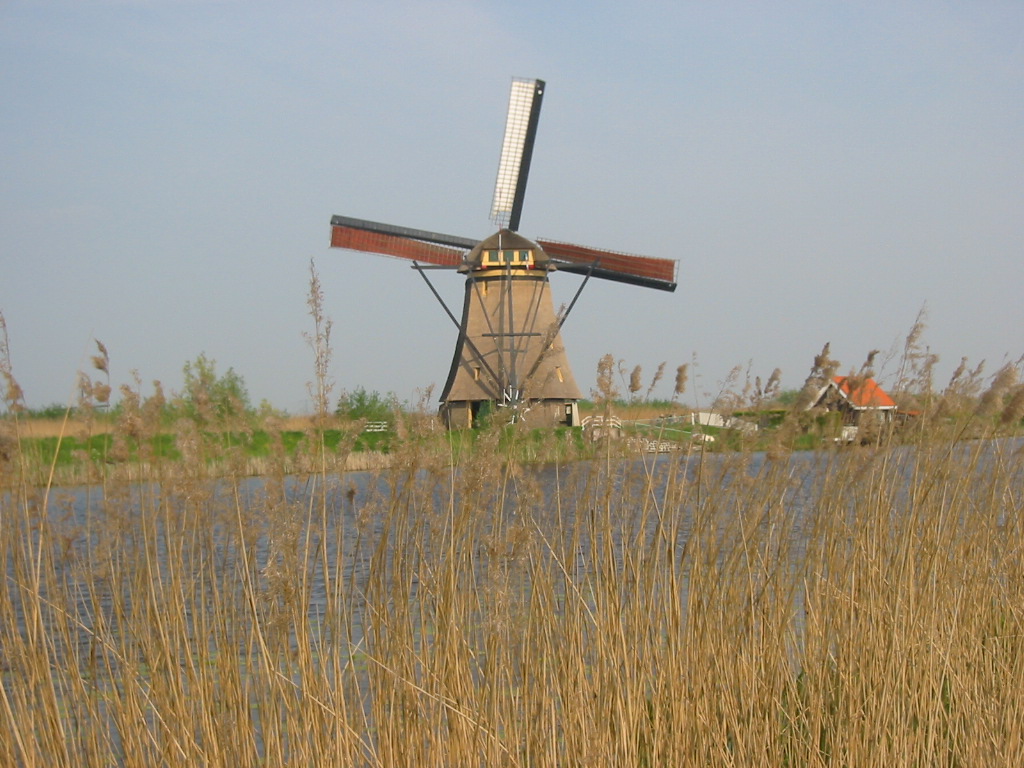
[840, 607]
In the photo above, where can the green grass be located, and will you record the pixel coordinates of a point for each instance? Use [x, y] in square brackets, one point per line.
[71, 450]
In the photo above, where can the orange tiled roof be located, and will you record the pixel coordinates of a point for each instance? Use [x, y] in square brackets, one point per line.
[867, 394]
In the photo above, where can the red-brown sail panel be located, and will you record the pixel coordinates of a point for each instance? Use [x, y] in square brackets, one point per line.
[392, 245]
[641, 266]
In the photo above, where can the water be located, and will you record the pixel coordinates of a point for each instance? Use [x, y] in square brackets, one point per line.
[333, 531]
[337, 526]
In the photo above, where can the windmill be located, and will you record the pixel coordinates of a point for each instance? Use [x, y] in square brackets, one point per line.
[509, 352]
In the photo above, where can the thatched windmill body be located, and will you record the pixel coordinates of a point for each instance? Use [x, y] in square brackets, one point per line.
[509, 352]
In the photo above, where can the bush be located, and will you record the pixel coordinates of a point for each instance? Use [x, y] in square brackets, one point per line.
[372, 406]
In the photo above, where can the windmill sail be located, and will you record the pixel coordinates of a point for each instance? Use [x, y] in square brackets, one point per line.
[516, 151]
[612, 265]
[401, 242]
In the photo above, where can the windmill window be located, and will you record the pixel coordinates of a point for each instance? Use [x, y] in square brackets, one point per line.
[502, 258]
[476, 373]
[558, 373]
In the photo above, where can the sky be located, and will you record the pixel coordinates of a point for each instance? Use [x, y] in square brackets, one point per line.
[822, 172]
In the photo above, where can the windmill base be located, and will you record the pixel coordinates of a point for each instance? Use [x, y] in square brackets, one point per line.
[467, 414]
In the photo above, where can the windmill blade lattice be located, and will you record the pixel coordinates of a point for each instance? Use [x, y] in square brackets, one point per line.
[516, 152]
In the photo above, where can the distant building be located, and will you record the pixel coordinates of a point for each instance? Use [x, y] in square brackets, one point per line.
[708, 419]
[856, 399]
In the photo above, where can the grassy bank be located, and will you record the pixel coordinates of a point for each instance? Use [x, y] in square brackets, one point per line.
[72, 451]
[64, 454]
[79, 457]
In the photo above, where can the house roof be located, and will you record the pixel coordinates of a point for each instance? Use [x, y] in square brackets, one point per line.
[863, 393]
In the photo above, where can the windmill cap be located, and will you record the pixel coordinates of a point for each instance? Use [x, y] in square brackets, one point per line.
[506, 240]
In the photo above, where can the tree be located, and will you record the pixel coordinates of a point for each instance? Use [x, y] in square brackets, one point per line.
[208, 397]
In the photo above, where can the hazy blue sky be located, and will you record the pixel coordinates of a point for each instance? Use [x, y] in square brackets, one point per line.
[821, 170]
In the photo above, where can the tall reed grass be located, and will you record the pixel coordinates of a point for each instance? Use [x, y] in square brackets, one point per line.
[851, 607]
